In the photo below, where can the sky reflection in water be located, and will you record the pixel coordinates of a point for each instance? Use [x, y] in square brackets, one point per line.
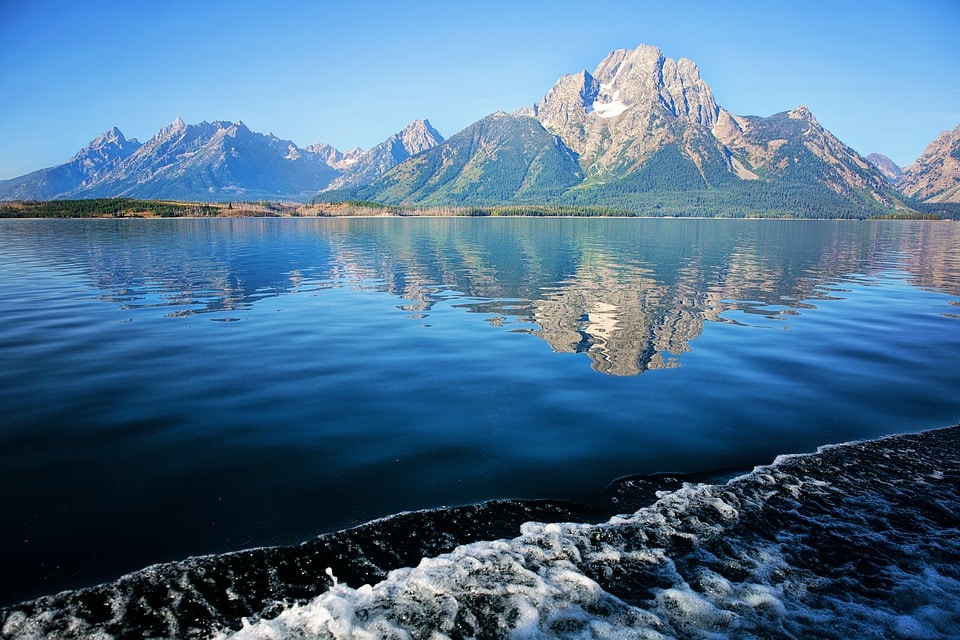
[174, 387]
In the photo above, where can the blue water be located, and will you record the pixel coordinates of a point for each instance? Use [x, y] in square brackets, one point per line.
[180, 387]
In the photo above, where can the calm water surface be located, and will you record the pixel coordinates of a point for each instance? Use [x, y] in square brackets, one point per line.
[180, 387]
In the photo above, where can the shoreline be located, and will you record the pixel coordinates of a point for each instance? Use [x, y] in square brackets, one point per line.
[128, 208]
[266, 584]
[439, 216]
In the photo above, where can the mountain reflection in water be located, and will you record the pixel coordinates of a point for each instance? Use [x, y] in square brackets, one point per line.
[631, 294]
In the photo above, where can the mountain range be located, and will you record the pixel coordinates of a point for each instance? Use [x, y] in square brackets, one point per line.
[641, 132]
[213, 161]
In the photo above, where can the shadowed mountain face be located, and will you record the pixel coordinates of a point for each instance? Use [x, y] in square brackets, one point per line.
[502, 158]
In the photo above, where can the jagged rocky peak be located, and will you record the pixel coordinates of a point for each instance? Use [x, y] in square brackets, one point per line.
[419, 136]
[112, 137]
[322, 149]
[175, 126]
[416, 137]
[628, 78]
[175, 130]
[635, 102]
[361, 166]
[329, 153]
[352, 155]
[333, 157]
[691, 97]
[365, 166]
[108, 147]
[802, 113]
[236, 129]
[644, 75]
[566, 102]
[886, 166]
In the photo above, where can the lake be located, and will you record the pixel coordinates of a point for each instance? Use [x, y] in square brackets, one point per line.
[172, 388]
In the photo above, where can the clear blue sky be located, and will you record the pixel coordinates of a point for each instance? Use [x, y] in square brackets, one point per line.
[883, 76]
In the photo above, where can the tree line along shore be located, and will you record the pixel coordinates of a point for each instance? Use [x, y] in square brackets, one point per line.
[134, 208]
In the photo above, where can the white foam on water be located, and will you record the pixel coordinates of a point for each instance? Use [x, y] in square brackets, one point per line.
[845, 543]
[537, 585]
[22, 627]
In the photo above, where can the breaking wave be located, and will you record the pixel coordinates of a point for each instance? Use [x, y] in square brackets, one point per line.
[856, 540]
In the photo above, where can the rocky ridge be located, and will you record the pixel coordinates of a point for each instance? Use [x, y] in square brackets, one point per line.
[501, 158]
[793, 146]
[99, 158]
[212, 161]
[209, 161]
[364, 167]
[935, 176]
[649, 136]
[335, 158]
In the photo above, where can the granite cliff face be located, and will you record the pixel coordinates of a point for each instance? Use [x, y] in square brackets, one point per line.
[634, 103]
[935, 176]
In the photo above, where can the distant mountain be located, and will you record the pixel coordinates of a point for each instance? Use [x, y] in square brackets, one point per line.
[648, 136]
[886, 166]
[935, 176]
[341, 160]
[99, 158]
[212, 161]
[366, 166]
[502, 158]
